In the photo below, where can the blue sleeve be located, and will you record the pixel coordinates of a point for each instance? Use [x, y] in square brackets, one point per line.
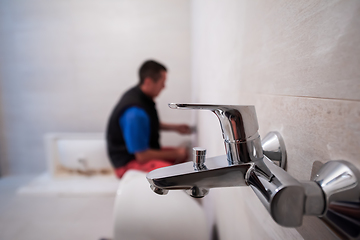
[135, 125]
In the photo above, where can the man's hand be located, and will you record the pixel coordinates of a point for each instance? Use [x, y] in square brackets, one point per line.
[181, 155]
[179, 128]
[173, 155]
[183, 129]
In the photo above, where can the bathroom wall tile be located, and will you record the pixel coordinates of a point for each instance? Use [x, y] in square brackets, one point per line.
[216, 50]
[302, 48]
[314, 129]
[312, 50]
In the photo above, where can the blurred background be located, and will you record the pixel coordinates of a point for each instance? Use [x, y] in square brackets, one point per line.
[63, 67]
[64, 64]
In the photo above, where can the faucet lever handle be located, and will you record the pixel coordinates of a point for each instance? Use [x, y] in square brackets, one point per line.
[238, 122]
[211, 107]
[193, 106]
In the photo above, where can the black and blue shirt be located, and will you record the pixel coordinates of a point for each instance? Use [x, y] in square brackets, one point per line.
[133, 126]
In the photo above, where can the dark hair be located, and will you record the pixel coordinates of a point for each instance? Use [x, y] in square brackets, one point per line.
[151, 69]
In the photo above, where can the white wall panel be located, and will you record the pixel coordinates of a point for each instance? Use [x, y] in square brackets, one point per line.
[64, 64]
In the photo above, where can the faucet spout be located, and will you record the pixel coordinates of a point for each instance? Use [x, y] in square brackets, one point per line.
[187, 177]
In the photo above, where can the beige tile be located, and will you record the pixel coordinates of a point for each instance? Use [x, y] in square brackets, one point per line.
[313, 129]
[302, 49]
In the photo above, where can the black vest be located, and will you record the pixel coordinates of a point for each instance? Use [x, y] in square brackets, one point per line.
[116, 146]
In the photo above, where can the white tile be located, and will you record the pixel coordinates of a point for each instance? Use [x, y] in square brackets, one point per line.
[302, 49]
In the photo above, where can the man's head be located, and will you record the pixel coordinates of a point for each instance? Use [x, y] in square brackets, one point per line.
[152, 78]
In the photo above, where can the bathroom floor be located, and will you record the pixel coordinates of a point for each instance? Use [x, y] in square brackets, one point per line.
[36, 217]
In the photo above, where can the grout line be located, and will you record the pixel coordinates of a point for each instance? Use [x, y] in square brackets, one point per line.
[323, 98]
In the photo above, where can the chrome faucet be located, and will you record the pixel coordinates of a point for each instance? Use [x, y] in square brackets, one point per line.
[245, 164]
[239, 129]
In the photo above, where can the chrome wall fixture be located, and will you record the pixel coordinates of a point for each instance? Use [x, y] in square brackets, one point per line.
[333, 195]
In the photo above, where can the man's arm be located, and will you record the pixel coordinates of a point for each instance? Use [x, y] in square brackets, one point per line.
[180, 128]
[176, 155]
[135, 125]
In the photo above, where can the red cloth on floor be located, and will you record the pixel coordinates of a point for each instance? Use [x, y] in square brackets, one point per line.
[145, 167]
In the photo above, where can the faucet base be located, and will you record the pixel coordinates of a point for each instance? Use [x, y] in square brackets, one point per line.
[274, 148]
